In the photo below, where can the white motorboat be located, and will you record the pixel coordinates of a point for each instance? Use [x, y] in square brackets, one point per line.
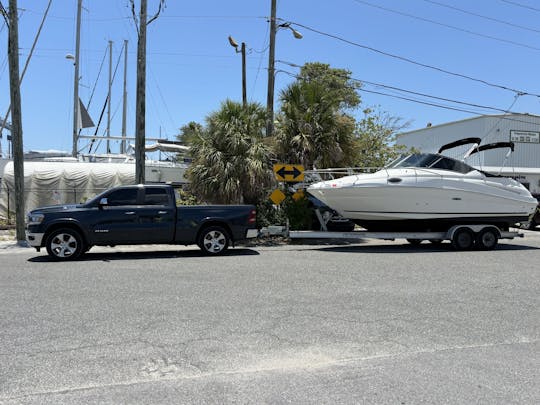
[429, 192]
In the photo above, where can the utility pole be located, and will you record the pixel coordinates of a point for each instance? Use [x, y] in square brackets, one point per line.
[234, 44]
[16, 120]
[4, 121]
[74, 149]
[124, 105]
[141, 96]
[271, 62]
[108, 150]
[244, 93]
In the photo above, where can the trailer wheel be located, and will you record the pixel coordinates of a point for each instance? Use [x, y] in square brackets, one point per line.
[463, 239]
[214, 240]
[487, 239]
[65, 244]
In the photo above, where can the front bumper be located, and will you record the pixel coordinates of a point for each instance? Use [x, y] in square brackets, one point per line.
[34, 239]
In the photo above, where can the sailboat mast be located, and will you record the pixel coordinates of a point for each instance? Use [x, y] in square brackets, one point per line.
[74, 150]
[124, 106]
[109, 100]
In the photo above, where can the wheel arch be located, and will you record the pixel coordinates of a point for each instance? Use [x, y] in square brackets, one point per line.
[214, 222]
[65, 225]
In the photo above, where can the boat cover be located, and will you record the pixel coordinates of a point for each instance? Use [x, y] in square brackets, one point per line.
[52, 183]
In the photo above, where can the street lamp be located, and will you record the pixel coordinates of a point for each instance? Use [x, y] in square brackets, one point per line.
[295, 33]
[234, 44]
[271, 63]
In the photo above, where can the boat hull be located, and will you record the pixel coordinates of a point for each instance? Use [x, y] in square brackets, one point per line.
[405, 200]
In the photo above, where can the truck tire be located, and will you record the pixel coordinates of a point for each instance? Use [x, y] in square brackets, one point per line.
[65, 244]
[214, 240]
[463, 239]
[487, 239]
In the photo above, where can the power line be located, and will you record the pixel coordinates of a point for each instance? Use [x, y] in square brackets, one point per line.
[400, 97]
[419, 102]
[445, 107]
[452, 27]
[413, 92]
[482, 16]
[521, 5]
[404, 59]
[433, 97]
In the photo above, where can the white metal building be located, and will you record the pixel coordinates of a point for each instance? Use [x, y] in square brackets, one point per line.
[522, 129]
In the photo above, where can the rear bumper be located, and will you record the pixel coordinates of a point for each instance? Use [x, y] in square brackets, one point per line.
[252, 233]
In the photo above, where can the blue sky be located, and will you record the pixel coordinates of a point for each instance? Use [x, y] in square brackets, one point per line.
[192, 68]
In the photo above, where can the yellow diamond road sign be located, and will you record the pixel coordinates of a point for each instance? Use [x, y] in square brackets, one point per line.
[285, 172]
[298, 195]
[277, 197]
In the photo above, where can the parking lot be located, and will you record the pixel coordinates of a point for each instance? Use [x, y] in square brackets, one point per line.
[372, 322]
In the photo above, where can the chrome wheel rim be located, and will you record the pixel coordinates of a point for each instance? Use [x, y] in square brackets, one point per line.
[214, 242]
[64, 245]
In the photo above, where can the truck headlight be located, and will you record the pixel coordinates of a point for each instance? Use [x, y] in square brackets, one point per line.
[34, 219]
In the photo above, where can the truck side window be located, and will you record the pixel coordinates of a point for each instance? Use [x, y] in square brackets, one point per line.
[156, 196]
[126, 196]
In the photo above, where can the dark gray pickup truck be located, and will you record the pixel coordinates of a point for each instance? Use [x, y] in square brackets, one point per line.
[143, 214]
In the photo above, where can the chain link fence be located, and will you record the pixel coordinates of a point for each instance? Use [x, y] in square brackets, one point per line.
[39, 197]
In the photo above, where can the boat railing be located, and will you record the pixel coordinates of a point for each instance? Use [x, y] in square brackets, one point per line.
[337, 172]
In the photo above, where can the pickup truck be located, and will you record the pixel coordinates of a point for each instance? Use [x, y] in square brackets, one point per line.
[137, 214]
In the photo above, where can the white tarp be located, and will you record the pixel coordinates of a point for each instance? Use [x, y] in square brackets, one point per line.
[50, 183]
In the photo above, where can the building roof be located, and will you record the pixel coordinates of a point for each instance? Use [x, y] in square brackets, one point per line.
[502, 116]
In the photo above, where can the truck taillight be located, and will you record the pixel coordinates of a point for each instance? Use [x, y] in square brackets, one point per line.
[252, 217]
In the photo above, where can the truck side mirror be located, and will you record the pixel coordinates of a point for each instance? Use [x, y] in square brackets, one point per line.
[103, 202]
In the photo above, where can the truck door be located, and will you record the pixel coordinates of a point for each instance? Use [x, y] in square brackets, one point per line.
[117, 222]
[157, 216]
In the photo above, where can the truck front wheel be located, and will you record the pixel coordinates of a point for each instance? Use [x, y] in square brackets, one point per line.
[64, 244]
[214, 240]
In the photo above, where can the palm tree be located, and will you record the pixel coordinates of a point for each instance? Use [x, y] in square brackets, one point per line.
[230, 162]
[311, 128]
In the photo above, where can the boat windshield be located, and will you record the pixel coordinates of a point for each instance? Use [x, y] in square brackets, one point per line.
[432, 161]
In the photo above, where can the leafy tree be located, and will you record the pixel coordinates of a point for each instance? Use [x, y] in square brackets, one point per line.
[376, 136]
[337, 82]
[231, 164]
[190, 132]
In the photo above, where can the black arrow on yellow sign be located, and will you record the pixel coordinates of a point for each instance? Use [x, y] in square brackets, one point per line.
[285, 172]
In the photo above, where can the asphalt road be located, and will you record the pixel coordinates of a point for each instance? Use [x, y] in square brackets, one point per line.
[371, 323]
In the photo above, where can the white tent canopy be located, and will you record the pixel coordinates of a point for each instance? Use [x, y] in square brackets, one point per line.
[50, 183]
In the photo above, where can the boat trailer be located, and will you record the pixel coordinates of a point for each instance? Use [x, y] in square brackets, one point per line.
[462, 237]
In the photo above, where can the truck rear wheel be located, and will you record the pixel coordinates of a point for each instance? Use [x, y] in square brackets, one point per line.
[214, 240]
[65, 244]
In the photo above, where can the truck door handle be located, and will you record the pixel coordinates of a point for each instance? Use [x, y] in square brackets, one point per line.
[162, 212]
[130, 213]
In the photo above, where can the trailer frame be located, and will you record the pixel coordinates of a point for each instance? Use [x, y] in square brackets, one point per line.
[462, 236]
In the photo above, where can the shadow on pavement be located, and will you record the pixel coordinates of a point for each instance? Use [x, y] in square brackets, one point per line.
[408, 248]
[169, 254]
